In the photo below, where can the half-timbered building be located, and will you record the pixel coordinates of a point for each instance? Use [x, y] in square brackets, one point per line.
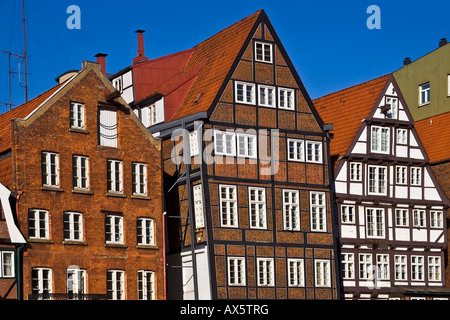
[246, 167]
[391, 209]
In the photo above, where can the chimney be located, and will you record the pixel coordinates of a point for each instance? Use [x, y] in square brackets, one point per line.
[101, 59]
[406, 61]
[140, 54]
[442, 42]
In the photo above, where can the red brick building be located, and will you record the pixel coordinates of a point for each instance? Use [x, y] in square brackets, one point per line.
[90, 180]
[246, 167]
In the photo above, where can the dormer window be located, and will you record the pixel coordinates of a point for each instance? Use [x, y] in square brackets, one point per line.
[263, 52]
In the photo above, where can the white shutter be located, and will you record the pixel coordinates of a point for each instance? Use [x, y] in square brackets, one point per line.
[108, 128]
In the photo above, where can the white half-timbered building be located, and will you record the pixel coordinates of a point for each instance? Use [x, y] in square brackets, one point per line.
[391, 209]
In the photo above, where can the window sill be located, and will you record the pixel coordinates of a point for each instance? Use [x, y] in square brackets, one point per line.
[77, 130]
[138, 196]
[82, 191]
[116, 245]
[117, 195]
[74, 242]
[49, 188]
[424, 104]
[37, 240]
[147, 246]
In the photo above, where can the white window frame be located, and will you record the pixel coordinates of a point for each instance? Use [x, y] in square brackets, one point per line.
[374, 182]
[75, 281]
[393, 111]
[355, 171]
[416, 176]
[257, 208]
[44, 284]
[400, 267]
[8, 269]
[260, 49]
[348, 265]
[375, 223]
[246, 145]
[382, 261]
[266, 96]
[419, 218]
[115, 173]
[77, 116]
[322, 273]
[380, 139]
[318, 210]
[365, 266]
[348, 214]
[248, 92]
[401, 175]
[402, 136]
[236, 271]
[80, 165]
[436, 219]
[115, 225]
[291, 210]
[146, 285]
[266, 274]
[145, 231]
[286, 98]
[117, 83]
[107, 126]
[434, 268]
[193, 143]
[401, 217]
[226, 144]
[417, 268]
[424, 94]
[314, 151]
[50, 169]
[115, 285]
[228, 206]
[198, 206]
[152, 118]
[296, 272]
[139, 178]
[73, 226]
[296, 150]
[34, 223]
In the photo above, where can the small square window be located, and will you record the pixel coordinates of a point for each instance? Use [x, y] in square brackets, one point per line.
[286, 99]
[402, 136]
[266, 96]
[263, 52]
[246, 145]
[245, 92]
[355, 171]
[296, 150]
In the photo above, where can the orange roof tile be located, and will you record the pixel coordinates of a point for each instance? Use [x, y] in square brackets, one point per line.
[346, 108]
[435, 136]
[21, 111]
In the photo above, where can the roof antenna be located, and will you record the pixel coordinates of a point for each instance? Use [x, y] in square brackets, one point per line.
[24, 50]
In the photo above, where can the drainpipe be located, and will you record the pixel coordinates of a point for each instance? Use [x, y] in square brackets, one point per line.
[164, 252]
[19, 194]
[18, 255]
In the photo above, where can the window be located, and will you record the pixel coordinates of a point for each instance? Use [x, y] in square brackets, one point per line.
[291, 210]
[355, 171]
[139, 178]
[50, 169]
[41, 282]
[424, 94]
[245, 92]
[117, 83]
[38, 224]
[263, 52]
[295, 150]
[400, 265]
[434, 268]
[286, 99]
[228, 206]
[401, 174]
[108, 128]
[377, 180]
[115, 285]
[257, 208]
[7, 264]
[114, 176]
[73, 226]
[382, 266]
[436, 219]
[380, 140]
[347, 214]
[365, 266]
[265, 272]
[392, 112]
[114, 229]
[402, 136]
[246, 145]
[145, 232]
[313, 151]
[76, 282]
[198, 206]
[348, 265]
[322, 268]
[146, 285]
[80, 168]
[419, 218]
[416, 176]
[401, 217]
[296, 276]
[375, 223]
[318, 211]
[76, 115]
[193, 143]
[266, 96]
[417, 266]
[152, 114]
[236, 271]
[224, 143]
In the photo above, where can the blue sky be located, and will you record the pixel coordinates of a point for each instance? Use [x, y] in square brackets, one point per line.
[328, 41]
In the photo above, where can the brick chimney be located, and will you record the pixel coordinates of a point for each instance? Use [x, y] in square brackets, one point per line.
[101, 59]
[140, 54]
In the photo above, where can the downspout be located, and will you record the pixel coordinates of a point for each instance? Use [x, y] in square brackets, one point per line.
[18, 255]
[164, 253]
